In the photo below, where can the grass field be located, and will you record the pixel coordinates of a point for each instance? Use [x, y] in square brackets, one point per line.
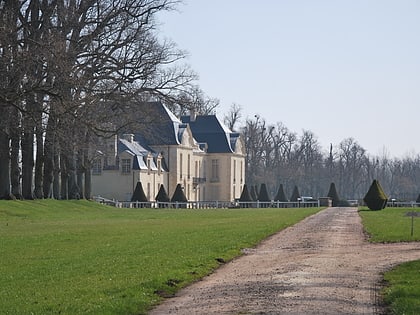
[390, 225]
[79, 257]
[402, 293]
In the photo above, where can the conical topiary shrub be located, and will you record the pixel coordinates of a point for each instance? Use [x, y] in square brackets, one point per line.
[245, 197]
[253, 193]
[332, 193]
[263, 196]
[375, 198]
[295, 194]
[140, 196]
[162, 196]
[281, 196]
[179, 196]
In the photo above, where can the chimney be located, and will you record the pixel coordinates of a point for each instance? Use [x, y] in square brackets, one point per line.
[193, 114]
[129, 137]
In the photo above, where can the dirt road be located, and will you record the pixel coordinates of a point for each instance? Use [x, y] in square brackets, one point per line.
[322, 265]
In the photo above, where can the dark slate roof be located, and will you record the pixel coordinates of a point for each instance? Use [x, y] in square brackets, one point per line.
[140, 152]
[208, 129]
[161, 125]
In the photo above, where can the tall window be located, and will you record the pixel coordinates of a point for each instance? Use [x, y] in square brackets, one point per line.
[214, 170]
[234, 171]
[189, 167]
[148, 166]
[242, 165]
[126, 166]
[180, 166]
[196, 169]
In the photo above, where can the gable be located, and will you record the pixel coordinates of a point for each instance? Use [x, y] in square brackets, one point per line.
[208, 129]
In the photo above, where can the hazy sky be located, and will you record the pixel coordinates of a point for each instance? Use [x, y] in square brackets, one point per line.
[339, 68]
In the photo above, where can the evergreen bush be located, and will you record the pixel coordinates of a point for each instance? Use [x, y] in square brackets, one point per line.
[375, 198]
[162, 196]
[140, 196]
[281, 196]
[295, 194]
[245, 197]
[179, 196]
[253, 193]
[263, 196]
[332, 193]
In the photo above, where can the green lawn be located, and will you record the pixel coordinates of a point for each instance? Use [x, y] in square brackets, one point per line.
[79, 257]
[402, 293]
[390, 225]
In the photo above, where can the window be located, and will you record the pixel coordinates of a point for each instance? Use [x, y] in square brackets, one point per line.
[97, 167]
[189, 167]
[234, 171]
[148, 166]
[214, 170]
[242, 165]
[180, 166]
[159, 166]
[196, 169]
[126, 166]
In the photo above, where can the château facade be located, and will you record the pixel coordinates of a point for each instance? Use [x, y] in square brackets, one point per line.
[198, 152]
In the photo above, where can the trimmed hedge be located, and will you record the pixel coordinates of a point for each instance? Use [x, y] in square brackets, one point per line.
[375, 198]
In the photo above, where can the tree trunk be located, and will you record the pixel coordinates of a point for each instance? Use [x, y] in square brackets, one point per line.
[56, 180]
[4, 166]
[49, 152]
[64, 178]
[73, 187]
[39, 162]
[80, 175]
[15, 171]
[88, 177]
[27, 163]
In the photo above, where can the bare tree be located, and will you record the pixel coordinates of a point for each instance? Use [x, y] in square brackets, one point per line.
[70, 67]
[233, 116]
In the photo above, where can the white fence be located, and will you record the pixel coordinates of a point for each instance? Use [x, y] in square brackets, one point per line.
[405, 204]
[208, 204]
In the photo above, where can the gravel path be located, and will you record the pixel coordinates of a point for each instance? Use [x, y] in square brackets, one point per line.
[322, 265]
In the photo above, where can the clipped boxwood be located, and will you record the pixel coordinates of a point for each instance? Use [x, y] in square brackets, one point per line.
[281, 196]
[295, 194]
[332, 193]
[375, 198]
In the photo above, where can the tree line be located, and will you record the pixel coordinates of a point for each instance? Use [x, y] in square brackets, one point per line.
[278, 156]
[73, 70]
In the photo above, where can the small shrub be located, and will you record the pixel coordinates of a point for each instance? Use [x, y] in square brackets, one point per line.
[332, 193]
[375, 198]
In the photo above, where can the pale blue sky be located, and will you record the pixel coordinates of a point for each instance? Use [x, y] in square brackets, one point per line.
[337, 68]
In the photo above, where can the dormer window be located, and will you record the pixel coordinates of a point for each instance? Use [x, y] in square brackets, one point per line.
[148, 166]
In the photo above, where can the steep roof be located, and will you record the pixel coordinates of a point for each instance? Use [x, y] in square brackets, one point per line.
[209, 129]
[161, 125]
[140, 153]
